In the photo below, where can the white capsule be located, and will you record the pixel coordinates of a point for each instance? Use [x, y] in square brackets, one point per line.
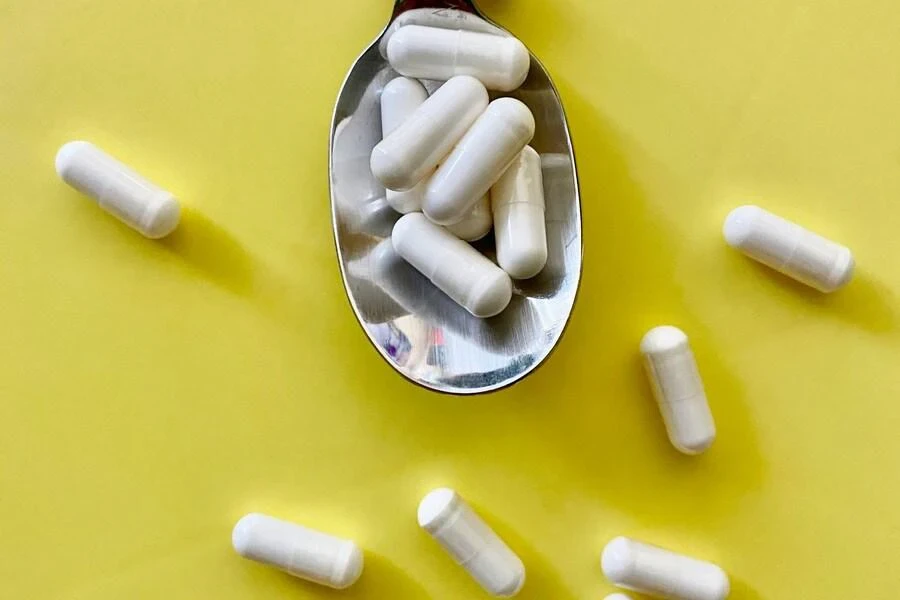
[471, 542]
[414, 149]
[302, 552]
[788, 248]
[661, 573]
[444, 18]
[399, 99]
[618, 597]
[678, 389]
[478, 160]
[477, 222]
[519, 225]
[457, 269]
[118, 190]
[499, 62]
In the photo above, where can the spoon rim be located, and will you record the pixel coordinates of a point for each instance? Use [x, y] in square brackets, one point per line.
[539, 360]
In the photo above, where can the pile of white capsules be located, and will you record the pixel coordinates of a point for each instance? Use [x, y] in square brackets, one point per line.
[457, 165]
[441, 158]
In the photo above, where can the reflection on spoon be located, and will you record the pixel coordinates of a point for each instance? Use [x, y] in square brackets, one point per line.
[503, 334]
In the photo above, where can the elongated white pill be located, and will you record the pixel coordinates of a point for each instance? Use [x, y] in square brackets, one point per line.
[444, 18]
[471, 542]
[457, 269]
[118, 190]
[399, 99]
[412, 151]
[661, 573]
[519, 225]
[478, 160]
[477, 222]
[618, 597]
[678, 389]
[302, 552]
[789, 248]
[499, 62]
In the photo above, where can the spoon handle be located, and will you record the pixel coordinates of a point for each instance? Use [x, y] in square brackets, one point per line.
[401, 6]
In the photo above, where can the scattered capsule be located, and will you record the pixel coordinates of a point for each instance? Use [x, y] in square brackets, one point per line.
[519, 226]
[478, 160]
[476, 224]
[302, 552]
[455, 267]
[499, 62]
[412, 150]
[661, 573]
[471, 542]
[399, 99]
[788, 248]
[118, 190]
[678, 389]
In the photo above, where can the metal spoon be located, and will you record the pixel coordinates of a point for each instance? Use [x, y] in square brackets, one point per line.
[419, 331]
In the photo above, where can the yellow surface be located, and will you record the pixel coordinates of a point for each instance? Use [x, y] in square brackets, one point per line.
[151, 393]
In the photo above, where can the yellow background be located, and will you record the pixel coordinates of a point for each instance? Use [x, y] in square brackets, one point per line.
[153, 392]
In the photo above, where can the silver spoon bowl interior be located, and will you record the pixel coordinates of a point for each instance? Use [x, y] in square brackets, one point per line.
[415, 327]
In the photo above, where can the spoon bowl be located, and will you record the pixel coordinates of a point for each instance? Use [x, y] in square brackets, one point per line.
[416, 328]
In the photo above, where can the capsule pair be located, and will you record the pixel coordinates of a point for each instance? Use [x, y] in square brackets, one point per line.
[516, 211]
[399, 99]
[338, 563]
[517, 186]
[515, 208]
[773, 241]
[473, 141]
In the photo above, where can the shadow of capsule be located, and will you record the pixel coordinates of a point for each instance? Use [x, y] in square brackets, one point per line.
[864, 302]
[212, 252]
[373, 217]
[375, 306]
[380, 579]
[740, 590]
